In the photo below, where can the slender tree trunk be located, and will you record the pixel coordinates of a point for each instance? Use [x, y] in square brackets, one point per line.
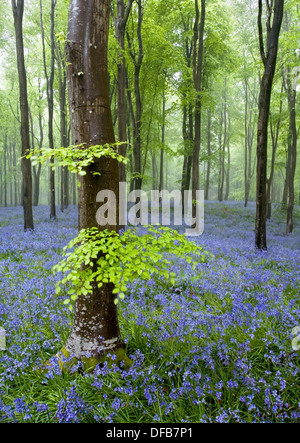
[95, 329]
[269, 60]
[222, 144]
[137, 118]
[249, 126]
[50, 99]
[15, 173]
[188, 112]
[209, 154]
[274, 136]
[162, 151]
[221, 160]
[198, 67]
[62, 76]
[292, 147]
[36, 169]
[188, 138]
[227, 190]
[18, 12]
[5, 171]
[123, 12]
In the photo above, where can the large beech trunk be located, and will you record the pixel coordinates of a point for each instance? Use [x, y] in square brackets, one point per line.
[96, 328]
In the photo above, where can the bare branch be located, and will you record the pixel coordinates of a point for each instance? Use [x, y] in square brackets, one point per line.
[260, 33]
[127, 11]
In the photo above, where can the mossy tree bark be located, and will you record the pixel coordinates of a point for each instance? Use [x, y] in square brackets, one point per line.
[96, 329]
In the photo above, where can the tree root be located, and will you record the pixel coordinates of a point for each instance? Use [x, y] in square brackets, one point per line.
[86, 363]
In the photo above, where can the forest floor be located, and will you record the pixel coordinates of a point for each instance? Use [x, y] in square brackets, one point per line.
[218, 345]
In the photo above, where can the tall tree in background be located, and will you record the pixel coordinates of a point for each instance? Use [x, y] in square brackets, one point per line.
[274, 130]
[198, 68]
[290, 86]
[18, 12]
[249, 125]
[95, 329]
[120, 21]
[269, 59]
[50, 97]
[136, 116]
[292, 151]
[64, 139]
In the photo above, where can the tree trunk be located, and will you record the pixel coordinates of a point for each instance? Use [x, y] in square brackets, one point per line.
[227, 191]
[50, 99]
[5, 171]
[36, 169]
[274, 136]
[120, 28]
[137, 118]
[207, 182]
[188, 138]
[62, 76]
[18, 11]
[198, 65]
[162, 151]
[292, 147]
[249, 169]
[222, 145]
[95, 329]
[269, 60]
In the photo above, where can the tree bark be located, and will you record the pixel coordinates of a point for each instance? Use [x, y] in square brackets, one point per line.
[50, 99]
[222, 145]
[96, 328]
[198, 67]
[274, 136]
[269, 60]
[227, 189]
[208, 170]
[137, 118]
[123, 12]
[249, 169]
[18, 12]
[37, 169]
[163, 139]
[292, 148]
[62, 76]
[5, 149]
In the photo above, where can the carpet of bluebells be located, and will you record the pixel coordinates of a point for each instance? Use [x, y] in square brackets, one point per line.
[216, 346]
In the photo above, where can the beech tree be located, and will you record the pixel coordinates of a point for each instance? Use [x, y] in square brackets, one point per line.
[18, 12]
[269, 58]
[95, 329]
[50, 98]
[198, 74]
[120, 21]
[136, 115]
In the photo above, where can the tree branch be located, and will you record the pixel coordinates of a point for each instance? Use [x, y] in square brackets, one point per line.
[260, 33]
[127, 11]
